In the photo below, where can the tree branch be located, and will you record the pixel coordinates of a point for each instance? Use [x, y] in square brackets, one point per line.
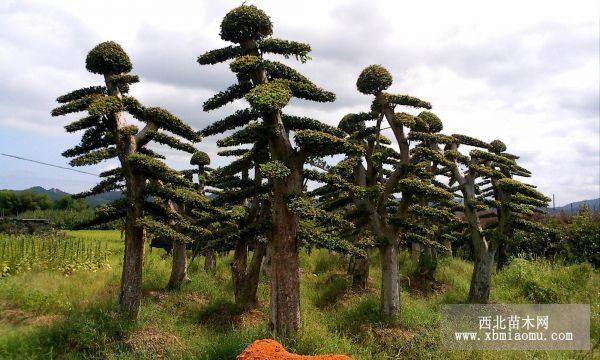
[143, 135]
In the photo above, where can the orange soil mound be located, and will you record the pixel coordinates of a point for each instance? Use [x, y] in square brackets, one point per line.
[268, 349]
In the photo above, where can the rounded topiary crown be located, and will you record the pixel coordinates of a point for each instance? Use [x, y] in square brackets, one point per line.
[108, 57]
[200, 158]
[245, 22]
[497, 146]
[271, 96]
[373, 80]
[434, 124]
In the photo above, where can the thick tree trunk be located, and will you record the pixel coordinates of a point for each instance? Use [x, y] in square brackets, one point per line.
[130, 296]
[285, 263]
[484, 249]
[285, 267]
[358, 268]
[179, 266]
[246, 278]
[390, 282]
[479, 293]
[210, 261]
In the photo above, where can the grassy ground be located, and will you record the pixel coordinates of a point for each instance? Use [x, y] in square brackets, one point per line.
[46, 315]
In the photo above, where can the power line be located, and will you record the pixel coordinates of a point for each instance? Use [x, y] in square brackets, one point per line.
[47, 164]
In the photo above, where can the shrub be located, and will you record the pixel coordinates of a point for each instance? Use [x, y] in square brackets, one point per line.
[576, 239]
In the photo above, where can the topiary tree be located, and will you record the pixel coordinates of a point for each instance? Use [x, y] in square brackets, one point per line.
[108, 135]
[182, 213]
[268, 86]
[513, 201]
[248, 230]
[372, 180]
[432, 226]
[201, 160]
[389, 217]
[509, 200]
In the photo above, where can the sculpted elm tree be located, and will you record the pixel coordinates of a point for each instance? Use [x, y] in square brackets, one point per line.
[512, 200]
[379, 172]
[108, 135]
[239, 194]
[390, 222]
[268, 86]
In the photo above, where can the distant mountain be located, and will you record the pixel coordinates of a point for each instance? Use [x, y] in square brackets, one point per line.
[92, 201]
[54, 193]
[592, 204]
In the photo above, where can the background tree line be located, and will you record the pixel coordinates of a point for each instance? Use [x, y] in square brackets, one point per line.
[16, 202]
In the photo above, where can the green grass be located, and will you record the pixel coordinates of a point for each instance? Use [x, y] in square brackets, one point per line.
[47, 315]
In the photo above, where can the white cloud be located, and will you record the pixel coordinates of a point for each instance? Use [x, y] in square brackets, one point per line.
[524, 72]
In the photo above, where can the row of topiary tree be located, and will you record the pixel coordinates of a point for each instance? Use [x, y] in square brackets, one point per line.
[417, 189]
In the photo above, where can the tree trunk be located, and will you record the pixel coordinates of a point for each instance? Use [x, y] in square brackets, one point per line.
[479, 293]
[210, 261]
[484, 250]
[285, 267]
[179, 266]
[358, 268]
[246, 279]
[285, 264]
[415, 251]
[130, 296]
[390, 282]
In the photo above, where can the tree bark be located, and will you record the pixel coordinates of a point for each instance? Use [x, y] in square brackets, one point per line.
[130, 296]
[415, 251]
[210, 261]
[484, 251]
[390, 282]
[479, 293]
[285, 267]
[285, 264]
[358, 268]
[246, 278]
[179, 266]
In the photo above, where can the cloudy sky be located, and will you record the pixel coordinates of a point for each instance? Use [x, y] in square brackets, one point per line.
[525, 72]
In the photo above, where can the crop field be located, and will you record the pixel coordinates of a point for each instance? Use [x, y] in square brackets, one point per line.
[61, 253]
[49, 313]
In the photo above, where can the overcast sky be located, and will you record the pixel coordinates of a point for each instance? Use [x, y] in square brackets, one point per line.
[525, 72]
